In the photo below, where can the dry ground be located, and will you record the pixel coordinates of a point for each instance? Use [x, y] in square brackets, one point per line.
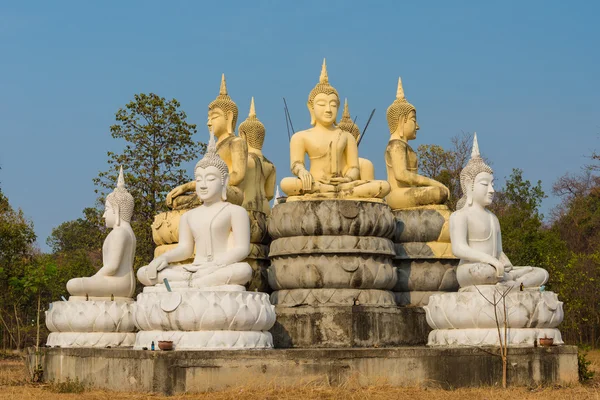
[14, 385]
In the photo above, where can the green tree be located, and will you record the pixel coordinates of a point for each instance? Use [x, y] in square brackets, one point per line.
[157, 141]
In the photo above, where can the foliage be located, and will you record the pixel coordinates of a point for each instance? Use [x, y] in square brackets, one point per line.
[583, 367]
[157, 141]
[68, 386]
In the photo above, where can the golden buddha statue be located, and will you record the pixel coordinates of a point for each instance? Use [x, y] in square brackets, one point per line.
[367, 170]
[259, 183]
[409, 189]
[334, 168]
[222, 119]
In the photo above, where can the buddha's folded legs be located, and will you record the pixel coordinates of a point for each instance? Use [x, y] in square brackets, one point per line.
[470, 274]
[366, 189]
[529, 276]
[416, 196]
[99, 286]
[234, 274]
[292, 186]
[174, 274]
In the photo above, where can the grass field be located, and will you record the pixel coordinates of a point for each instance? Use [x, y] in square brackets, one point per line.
[14, 385]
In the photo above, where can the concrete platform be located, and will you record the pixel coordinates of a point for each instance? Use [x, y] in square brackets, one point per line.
[200, 371]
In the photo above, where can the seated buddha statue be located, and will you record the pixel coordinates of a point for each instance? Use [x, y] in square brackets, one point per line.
[116, 277]
[259, 182]
[475, 233]
[222, 119]
[409, 189]
[218, 231]
[333, 154]
[366, 168]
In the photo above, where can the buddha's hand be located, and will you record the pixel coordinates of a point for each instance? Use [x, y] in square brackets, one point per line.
[158, 264]
[306, 178]
[340, 179]
[173, 194]
[500, 267]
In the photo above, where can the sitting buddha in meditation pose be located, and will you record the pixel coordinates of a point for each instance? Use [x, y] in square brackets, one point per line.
[218, 230]
[333, 154]
[222, 119]
[259, 182]
[409, 189]
[475, 233]
[367, 170]
[116, 277]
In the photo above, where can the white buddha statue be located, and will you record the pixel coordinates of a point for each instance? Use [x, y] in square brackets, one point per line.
[116, 277]
[475, 234]
[218, 231]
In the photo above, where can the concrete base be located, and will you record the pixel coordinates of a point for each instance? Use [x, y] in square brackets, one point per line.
[349, 326]
[193, 371]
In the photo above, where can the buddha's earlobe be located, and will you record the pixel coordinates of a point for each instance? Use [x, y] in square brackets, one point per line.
[313, 120]
[118, 215]
[469, 200]
[229, 121]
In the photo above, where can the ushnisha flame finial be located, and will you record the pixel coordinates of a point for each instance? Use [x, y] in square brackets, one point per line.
[223, 89]
[121, 179]
[475, 151]
[122, 198]
[252, 112]
[400, 90]
[322, 87]
[400, 108]
[346, 123]
[324, 78]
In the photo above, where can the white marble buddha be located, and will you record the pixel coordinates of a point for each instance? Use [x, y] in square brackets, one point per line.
[115, 278]
[333, 154]
[475, 234]
[218, 230]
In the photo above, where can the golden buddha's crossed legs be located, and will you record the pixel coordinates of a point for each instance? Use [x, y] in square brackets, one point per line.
[359, 189]
[416, 196]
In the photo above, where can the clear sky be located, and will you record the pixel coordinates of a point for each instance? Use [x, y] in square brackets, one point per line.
[523, 74]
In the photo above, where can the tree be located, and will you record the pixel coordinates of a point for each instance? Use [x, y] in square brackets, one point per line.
[157, 141]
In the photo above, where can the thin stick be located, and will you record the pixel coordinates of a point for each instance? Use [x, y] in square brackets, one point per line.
[289, 116]
[287, 124]
[366, 126]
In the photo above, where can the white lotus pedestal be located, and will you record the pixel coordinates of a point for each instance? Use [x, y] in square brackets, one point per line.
[96, 322]
[195, 319]
[467, 318]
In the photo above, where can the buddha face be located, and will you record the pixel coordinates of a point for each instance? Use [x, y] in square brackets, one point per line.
[483, 189]
[210, 184]
[110, 215]
[219, 121]
[410, 126]
[325, 109]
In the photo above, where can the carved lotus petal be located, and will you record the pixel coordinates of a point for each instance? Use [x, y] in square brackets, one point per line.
[262, 320]
[184, 317]
[230, 306]
[104, 322]
[214, 317]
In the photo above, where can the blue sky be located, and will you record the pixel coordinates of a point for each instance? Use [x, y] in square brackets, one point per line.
[524, 75]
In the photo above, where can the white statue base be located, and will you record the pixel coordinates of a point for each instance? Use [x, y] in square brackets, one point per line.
[97, 322]
[224, 317]
[525, 337]
[467, 318]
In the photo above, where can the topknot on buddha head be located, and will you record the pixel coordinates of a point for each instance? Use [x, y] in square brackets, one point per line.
[346, 123]
[212, 159]
[224, 102]
[120, 198]
[474, 167]
[323, 87]
[252, 129]
[400, 108]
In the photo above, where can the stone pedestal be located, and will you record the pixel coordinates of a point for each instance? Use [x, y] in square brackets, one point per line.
[468, 318]
[330, 255]
[424, 258]
[196, 319]
[96, 323]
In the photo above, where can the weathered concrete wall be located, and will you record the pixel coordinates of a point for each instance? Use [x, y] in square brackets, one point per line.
[349, 326]
[198, 371]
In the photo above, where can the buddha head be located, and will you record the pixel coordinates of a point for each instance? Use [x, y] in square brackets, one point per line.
[252, 130]
[222, 112]
[212, 175]
[476, 181]
[402, 116]
[119, 204]
[346, 123]
[323, 101]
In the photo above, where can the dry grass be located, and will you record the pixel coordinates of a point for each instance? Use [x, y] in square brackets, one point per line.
[14, 385]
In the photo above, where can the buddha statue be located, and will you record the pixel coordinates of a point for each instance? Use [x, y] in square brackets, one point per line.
[218, 231]
[333, 154]
[367, 171]
[476, 237]
[116, 277]
[408, 188]
[259, 182]
[222, 119]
